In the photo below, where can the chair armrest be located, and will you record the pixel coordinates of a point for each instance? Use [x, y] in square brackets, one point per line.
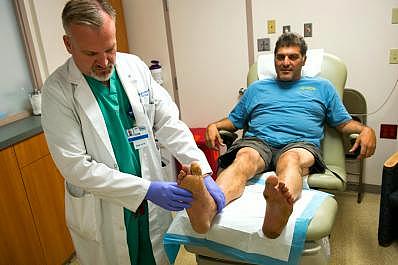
[228, 137]
[392, 161]
[353, 136]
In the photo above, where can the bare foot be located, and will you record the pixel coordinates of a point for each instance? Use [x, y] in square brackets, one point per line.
[203, 207]
[279, 207]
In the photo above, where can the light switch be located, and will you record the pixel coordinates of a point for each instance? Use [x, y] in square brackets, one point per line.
[393, 56]
[271, 26]
[394, 16]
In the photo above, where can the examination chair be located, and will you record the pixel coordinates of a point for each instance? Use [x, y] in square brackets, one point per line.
[388, 217]
[334, 178]
[355, 104]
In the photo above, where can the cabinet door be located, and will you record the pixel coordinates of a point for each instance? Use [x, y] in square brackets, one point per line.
[31, 149]
[45, 189]
[19, 241]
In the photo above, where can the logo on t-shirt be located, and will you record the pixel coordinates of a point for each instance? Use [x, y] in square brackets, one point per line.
[309, 88]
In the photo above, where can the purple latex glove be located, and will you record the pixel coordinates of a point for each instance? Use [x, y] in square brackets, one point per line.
[215, 192]
[169, 196]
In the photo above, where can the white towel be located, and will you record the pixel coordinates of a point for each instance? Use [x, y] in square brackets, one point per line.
[312, 67]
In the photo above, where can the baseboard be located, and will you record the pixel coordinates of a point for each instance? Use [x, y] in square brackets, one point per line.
[370, 188]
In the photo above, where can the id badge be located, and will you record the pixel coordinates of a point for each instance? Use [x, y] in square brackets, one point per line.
[139, 137]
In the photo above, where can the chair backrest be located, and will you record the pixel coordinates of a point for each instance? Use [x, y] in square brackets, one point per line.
[334, 70]
[355, 104]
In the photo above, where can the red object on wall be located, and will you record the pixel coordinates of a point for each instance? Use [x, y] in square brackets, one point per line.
[211, 154]
[388, 131]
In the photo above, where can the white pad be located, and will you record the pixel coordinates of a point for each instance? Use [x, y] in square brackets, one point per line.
[237, 232]
[312, 67]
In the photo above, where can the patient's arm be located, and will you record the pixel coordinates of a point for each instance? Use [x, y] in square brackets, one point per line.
[366, 139]
[213, 138]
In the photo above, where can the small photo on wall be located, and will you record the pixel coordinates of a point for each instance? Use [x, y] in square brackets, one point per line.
[286, 29]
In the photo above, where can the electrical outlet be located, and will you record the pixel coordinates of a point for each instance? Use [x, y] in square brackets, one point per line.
[393, 56]
[286, 29]
[263, 44]
[308, 30]
[271, 26]
[394, 16]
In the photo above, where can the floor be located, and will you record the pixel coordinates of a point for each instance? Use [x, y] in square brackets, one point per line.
[354, 236]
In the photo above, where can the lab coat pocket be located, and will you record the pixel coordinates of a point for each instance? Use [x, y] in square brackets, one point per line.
[150, 112]
[81, 215]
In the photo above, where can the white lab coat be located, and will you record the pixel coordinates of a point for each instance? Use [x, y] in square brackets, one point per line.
[96, 190]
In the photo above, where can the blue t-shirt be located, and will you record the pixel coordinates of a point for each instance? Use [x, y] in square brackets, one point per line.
[286, 112]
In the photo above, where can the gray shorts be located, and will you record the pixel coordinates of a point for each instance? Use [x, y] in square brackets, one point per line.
[271, 155]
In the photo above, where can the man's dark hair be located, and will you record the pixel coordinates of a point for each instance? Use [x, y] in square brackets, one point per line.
[289, 39]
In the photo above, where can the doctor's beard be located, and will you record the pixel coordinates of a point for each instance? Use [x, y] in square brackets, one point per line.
[102, 74]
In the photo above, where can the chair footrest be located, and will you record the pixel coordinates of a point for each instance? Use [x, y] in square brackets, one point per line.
[322, 223]
[319, 227]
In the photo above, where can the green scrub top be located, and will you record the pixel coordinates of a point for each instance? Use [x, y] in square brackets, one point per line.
[117, 113]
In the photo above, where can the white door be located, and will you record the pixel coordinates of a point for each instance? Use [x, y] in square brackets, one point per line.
[211, 56]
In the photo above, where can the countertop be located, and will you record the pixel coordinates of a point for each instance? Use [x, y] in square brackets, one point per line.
[20, 130]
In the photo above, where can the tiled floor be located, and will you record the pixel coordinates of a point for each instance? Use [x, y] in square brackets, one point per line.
[183, 258]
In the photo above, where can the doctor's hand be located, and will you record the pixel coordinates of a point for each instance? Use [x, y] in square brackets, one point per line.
[215, 192]
[213, 138]
[169, 196]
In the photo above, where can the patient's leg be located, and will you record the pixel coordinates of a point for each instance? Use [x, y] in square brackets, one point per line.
[279, 207]
[203, 207]
[232, 182]
[285, 188]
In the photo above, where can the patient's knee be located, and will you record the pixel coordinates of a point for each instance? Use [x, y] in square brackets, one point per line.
[291, 155]
[250, 157]
[300, 158]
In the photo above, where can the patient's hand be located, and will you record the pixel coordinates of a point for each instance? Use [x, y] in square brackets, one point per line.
[213, 138]
[366, 141]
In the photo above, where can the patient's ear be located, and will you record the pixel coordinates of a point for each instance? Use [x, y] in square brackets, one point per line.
[304, 59]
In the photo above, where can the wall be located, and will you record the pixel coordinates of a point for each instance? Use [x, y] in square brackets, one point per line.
[46, 25]
[361, 34]
[207, 48]
[146, 31]
[210, 48]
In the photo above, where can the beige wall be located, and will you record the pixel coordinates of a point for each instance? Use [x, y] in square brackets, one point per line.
[357, 31]
[210, 46]
[46, 25]
[146, 33]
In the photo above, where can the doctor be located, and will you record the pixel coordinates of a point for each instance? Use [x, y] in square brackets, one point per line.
[101, 114]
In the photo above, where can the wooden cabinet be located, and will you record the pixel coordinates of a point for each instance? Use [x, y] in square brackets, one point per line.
[32, 223]
[19, 241]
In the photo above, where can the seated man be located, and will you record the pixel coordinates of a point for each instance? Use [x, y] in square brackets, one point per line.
[284, 121]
